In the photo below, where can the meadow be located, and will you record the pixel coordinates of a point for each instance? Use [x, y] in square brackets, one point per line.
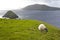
[12, 29]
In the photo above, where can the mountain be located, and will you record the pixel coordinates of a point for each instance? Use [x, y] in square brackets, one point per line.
[10, 14]
[40, 7]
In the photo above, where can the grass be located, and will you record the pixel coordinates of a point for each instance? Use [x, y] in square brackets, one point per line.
[11, 29]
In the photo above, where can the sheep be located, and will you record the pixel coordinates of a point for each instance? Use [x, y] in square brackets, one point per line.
[42, 28]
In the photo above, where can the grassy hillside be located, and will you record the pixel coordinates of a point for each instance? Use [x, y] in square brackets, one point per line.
[26, 30]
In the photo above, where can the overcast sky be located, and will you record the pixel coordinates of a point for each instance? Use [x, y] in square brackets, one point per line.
[18, 4]
[55, 3]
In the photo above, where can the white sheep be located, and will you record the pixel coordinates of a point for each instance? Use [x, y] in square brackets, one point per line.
[42, 27]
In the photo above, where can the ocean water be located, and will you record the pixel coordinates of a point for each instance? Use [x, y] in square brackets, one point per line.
[52, 17]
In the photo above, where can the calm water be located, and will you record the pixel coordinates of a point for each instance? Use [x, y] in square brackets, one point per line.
[52, 17]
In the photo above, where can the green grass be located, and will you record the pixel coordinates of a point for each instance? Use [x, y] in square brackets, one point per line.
[11, 29]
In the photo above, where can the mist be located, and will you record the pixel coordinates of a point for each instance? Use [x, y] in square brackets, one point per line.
[54, 3]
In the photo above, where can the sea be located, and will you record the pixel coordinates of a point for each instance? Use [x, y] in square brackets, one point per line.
[51, 17]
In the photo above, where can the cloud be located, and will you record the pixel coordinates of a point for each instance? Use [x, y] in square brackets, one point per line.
[18, 4]
[55, 3]
[13, 4]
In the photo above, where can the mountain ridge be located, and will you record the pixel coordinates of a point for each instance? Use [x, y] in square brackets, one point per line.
[40, 7]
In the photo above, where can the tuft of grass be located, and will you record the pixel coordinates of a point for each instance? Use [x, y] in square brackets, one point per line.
[12, 29]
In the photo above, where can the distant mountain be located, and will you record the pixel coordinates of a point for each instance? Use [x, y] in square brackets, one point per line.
[10, 14]
[40, 7]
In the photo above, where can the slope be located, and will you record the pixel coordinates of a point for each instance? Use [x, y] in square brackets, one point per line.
[11, 29]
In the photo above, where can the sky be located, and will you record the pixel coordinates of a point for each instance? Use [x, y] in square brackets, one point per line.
[14, 4]
[18, 4]
[54, 3]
